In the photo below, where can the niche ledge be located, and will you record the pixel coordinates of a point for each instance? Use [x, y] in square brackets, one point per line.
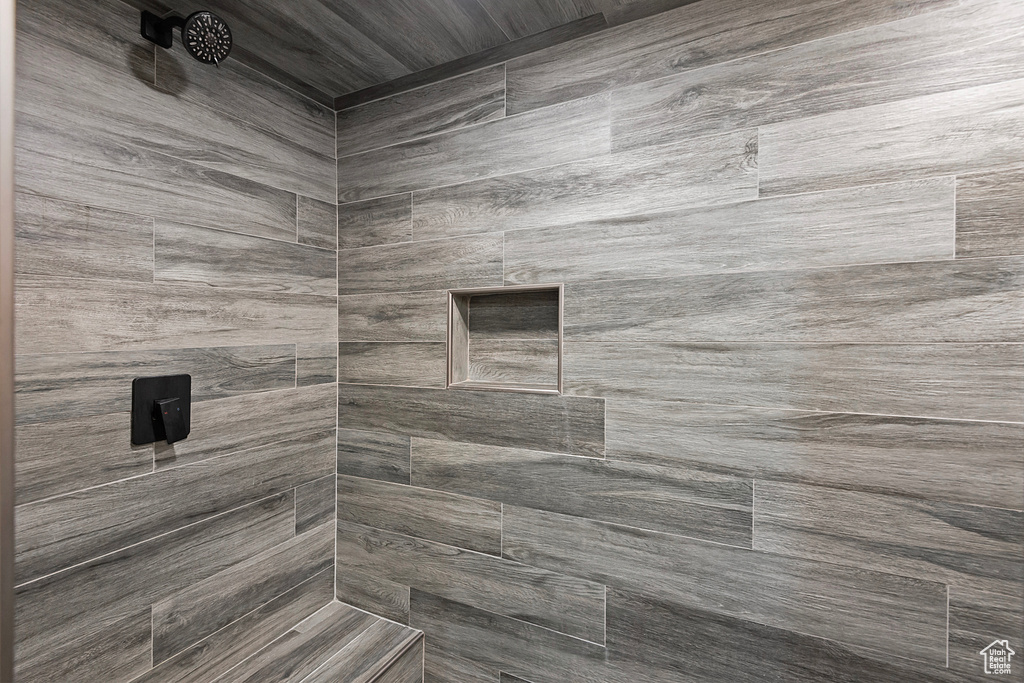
[506, 339]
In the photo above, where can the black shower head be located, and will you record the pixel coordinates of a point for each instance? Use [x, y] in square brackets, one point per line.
[205, 35]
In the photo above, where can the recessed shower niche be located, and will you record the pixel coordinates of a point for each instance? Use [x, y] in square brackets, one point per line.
[506, 338]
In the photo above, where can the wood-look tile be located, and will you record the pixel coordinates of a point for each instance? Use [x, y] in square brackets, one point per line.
[520, 19]
[709, 506]
[103, 316]
[315, 503]
[968, 546]
[975, 620]
[219, 652]
[316, 364]
[217, 259]
[84, 598]
[644, 634]
[898, 222]
[435, 264]
[885, 612]
[304, 648]
[398, 316]
[372, 455]
[103, 380]
[959, 381]
[565, 604]
[557, 424]
[714, 170]
[63, 531]
[877, 64]
[203, 608]
[938, 301]
[692, 36]
[71, 240]
[963, 131]
[238, 423]
[514, 316]
[442, 667]
[383, 653]
[438, 108]
[556, 135]
[410, 364]
[509, 678]
[960, 461]
[532, 361]
[375, 221]
[317, 223]
[49, 463]
[118, 651]
[454, 520]
[373, 593]
[988, 208]
[507, 644]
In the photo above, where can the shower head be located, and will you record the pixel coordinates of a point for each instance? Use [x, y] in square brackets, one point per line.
[205, 35]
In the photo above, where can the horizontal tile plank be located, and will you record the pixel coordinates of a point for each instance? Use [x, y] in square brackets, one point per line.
[410, 364]
[455, 520]
[394, 316]
[568, 605]
[551, 423]
[533, 361]
[988, 206]
[383, 653]
[317, 223]
[961, 381]
[898, 222]
[441, 667]
[315, 503]
[373, 593]
[373, 455]
[375, 221]
[708, 506]
[515, 315]
[714, 170]
[556, 135]
[976, 619]
[316, 364]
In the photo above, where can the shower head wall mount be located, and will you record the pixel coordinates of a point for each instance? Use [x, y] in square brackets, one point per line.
[205, 35]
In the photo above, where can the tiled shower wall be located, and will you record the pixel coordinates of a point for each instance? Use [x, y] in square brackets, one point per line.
[171, 218]
[791, 444]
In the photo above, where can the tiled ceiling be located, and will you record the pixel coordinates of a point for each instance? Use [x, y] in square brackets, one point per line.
[340, 46]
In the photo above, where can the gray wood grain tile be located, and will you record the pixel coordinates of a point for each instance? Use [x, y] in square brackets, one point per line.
[62, 239]
[316, 364]
[317, 223]
[435, 264]
[203, 608]
[454, 520]
[509, 678]
[556, 135]
[876, 64]
[304, 648]
[60, 532]
[238, 423]
[118, 651]
[383, 653]
[892, 614]
[442, 667]
[514, 316]
[957, 461]
[973, 547]
[82, 599]
[49, 463]
[682, 39]
[219, 652]
[551, 423]
[537, 596]
[976, 619]
[375, 221]
[394, 316]
[644, 632]
[408, 668]
[960, 381]
[502, 643]
[315, 503]
[519, 19]
[439, 108]
[533, 361]
[951, 301]
[812, 230]
[103, 380]
[988, 208]
[410, 364]
[372, 455]
[218, 259]
[964, 131]
[714, 170]
[97, 316]
[708, 506]
[373, 593]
